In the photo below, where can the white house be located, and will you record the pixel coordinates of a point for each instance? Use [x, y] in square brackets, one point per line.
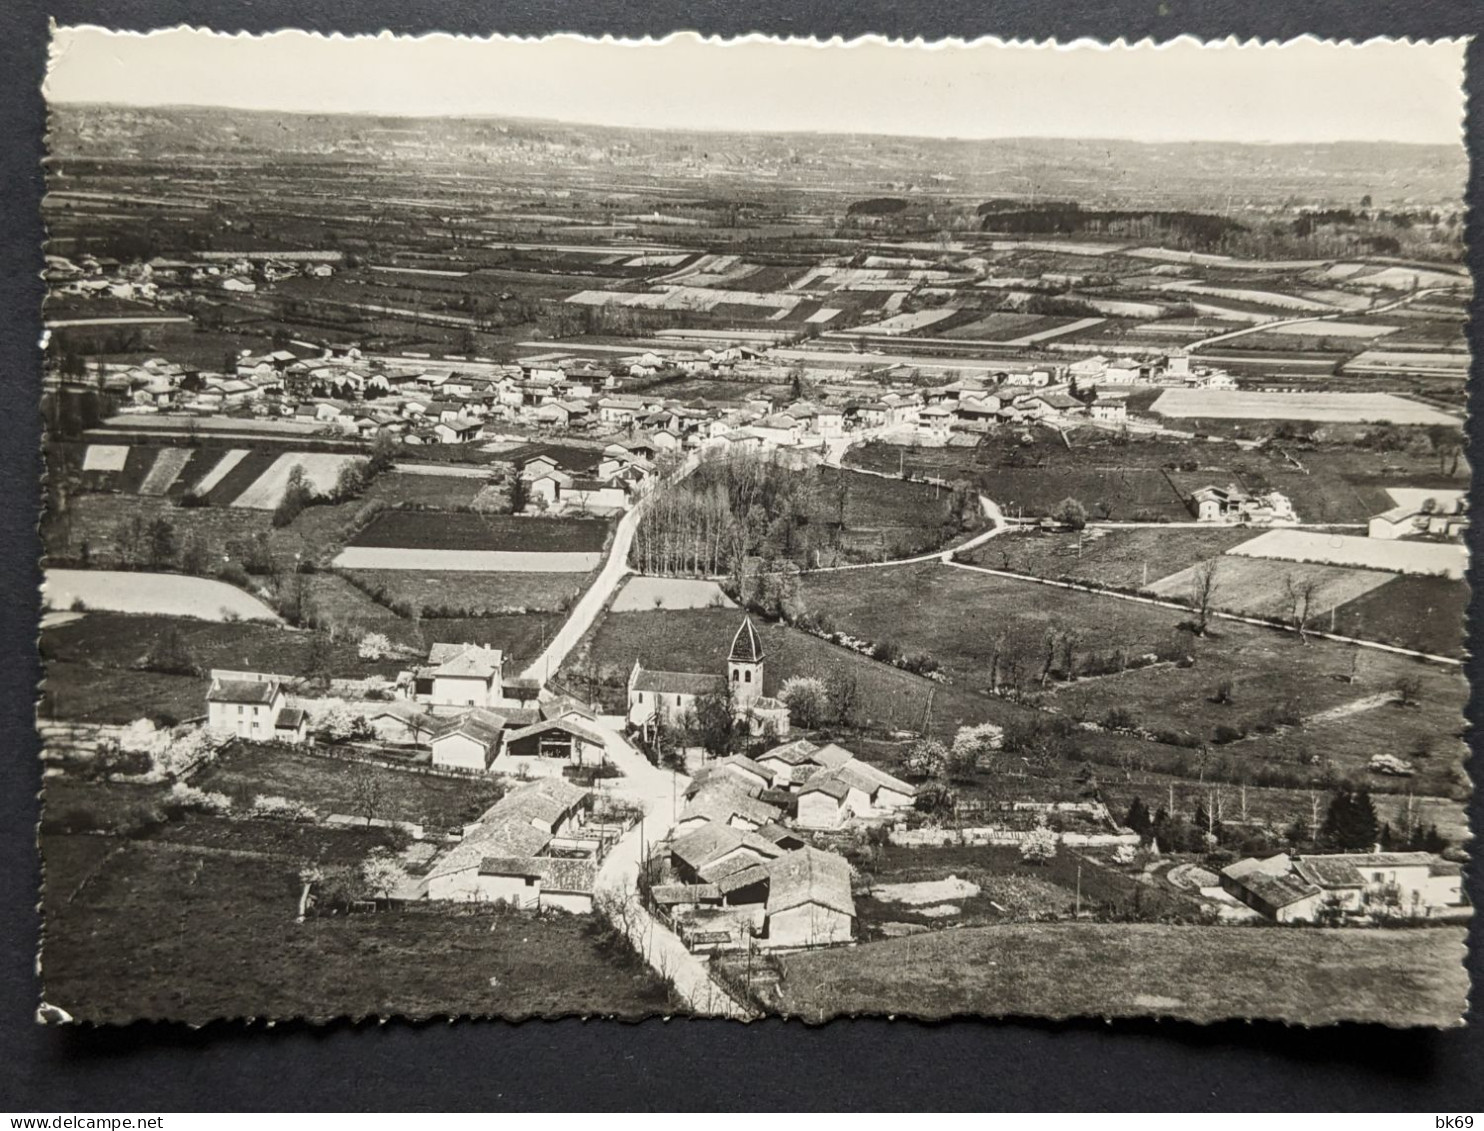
[460, 675]
[247, 708]
[469, 742]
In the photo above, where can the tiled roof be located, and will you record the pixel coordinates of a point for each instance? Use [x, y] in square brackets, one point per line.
[808, 875]
[676, 683]
[793, 753]
[242, 691]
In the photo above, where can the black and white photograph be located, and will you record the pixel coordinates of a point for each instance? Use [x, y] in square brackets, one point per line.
[574, 527]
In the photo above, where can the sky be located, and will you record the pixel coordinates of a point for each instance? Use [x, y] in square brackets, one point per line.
[1300, 91]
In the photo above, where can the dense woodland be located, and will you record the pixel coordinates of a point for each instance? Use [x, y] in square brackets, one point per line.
[756, 506]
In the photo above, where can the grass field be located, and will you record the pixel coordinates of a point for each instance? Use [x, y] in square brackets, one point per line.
[697, 640]
[474, 594]
[957, 615]
[396, 488]
[166, 934]
[1257, 588]
[424, 530]
[1127, 558]
[324, 785]
[1199, 974]
[163, 594]
[1426, 613]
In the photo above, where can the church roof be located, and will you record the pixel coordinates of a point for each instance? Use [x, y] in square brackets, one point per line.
[747, 648]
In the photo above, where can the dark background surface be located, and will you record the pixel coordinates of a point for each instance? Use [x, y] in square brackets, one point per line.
[866, 1064]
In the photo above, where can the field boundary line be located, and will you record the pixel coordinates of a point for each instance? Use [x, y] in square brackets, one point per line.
[1215, 614]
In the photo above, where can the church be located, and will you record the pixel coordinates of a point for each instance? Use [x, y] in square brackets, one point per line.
[669, 696]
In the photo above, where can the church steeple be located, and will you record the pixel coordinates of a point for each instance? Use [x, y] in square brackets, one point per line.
[745, 665]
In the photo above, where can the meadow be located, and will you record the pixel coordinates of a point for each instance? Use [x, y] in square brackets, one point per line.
[150, 932]
[1059, 970]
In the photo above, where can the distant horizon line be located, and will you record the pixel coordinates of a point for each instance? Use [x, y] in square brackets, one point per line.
[493, 115]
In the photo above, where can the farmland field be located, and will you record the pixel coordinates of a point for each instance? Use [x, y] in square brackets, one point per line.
[470, 561]
[475, 594]
[1257, 588]
[1398, 556]
[1115, 969]
[165, 594]
[322, 784]
[168, 465]
[1425, 613]
[460, 531]
[321, 471]
[1214, 404]
[964, 619]
[169, 934]
[1126, 558]
[397, 488]
[641, 594]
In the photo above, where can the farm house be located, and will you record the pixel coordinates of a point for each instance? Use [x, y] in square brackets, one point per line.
[809, 901]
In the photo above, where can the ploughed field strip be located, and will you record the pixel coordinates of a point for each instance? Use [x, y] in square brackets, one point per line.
[127, 591]
[167, 468]
[1448, 558]
[465, 561]
[320, 471]
[459, 542]
[1338, 408]
[219, 471]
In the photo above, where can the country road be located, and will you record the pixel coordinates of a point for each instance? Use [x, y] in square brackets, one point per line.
[586, 611]
[660, 792]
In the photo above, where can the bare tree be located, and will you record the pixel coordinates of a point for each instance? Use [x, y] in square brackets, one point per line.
[1299, 594]
[1203, 592]
[366, 792]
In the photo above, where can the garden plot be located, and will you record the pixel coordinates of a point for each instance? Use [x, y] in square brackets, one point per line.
[1255, 587]
[167, 468]
[105, 457]
[169, 594]
[321, 471]
[219, 471]
[1447, 558]
[1331, 408]
[645, 594]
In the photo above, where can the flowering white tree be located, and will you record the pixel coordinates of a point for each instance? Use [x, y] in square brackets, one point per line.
[374, 646]
[807, 699]
[173, 752]
[1039, 846]
[926, 758]
[382, 872]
